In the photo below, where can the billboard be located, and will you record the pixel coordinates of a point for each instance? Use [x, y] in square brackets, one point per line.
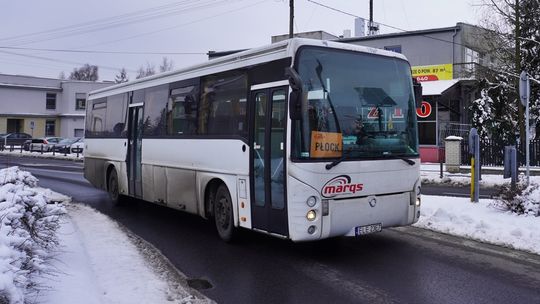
[433, 72]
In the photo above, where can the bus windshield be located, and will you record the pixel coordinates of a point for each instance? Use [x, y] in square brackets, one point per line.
[354, 105]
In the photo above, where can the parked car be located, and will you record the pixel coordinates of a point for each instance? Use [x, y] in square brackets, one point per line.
[64, 146]
[15, 139]
[78, 147]
[26, 144]
[45, 143]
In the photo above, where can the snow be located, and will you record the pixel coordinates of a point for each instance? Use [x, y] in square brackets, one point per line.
[101, 264]
[452, 137]
[430, 174]
[483, 221]
[437, 87]
[17, 153]
[53, 251]
[28, 224]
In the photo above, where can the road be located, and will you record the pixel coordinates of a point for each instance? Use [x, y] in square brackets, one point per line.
[405, 265]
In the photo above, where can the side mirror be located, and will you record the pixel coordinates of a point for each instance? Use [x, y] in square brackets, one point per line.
[417, 93]
[295, 98]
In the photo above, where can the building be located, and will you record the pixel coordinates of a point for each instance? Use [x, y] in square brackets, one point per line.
[44, 106]
[447, 61]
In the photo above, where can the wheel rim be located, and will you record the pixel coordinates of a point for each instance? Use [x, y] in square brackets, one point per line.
[223, 212]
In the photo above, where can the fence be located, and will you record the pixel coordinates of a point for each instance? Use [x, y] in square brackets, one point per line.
[492, 153]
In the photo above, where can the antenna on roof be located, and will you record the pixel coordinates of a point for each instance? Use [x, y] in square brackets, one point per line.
[373, 28]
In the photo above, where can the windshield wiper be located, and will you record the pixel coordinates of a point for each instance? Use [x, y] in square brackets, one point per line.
[343, 157]
[403, 158]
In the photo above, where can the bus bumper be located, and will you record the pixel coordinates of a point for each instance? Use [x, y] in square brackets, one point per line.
[387, 210]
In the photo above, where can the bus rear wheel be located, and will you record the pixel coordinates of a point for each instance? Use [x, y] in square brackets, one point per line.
[223, 214]
[113, 189]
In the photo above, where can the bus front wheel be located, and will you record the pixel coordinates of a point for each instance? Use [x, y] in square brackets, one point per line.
[223, 214]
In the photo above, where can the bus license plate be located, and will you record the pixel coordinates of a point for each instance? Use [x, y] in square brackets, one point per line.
[363, 230]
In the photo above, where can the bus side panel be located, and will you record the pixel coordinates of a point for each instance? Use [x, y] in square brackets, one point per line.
[181, 189]
[99, 154]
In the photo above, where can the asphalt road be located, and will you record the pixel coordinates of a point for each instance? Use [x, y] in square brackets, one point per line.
[405, 265]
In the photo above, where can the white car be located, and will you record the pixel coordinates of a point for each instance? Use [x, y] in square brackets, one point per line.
[77, 147]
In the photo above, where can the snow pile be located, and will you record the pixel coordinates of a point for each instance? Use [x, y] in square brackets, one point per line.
[521, 200]
[481, 222]
[29, 220]
[430, 174]
[104, 263]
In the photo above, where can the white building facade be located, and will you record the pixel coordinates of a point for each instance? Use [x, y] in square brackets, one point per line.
[44, 106]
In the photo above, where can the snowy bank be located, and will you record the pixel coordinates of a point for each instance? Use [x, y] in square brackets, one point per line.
[49, 155]
[52, 251]
[29, 220]
[430, 174]
[103, 263]
[482, 221]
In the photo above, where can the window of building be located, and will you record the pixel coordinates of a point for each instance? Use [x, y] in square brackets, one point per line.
[393, 48]
[50, 127]
[472, 58]
[80, 101]
[78, 132]
[183, 108]
[223, 104]
[50, 101]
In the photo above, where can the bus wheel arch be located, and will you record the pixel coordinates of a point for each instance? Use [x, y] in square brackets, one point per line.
[209, 196]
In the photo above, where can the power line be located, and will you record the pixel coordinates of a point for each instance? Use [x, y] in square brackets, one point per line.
[175, 26]
[90, 27]
[387, 25]
[96, 21]
[101, 52]
[61, 61]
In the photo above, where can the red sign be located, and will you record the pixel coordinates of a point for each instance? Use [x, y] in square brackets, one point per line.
[427, 78]
[424, 110]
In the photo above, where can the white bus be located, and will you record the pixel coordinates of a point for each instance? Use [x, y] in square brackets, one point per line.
[301, 139]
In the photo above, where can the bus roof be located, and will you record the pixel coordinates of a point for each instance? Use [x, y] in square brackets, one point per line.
[282, 49]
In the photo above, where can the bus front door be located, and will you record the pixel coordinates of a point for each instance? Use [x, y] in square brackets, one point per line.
[267, 179]
[135, 128]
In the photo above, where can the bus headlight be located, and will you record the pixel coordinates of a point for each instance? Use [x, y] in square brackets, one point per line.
[311, 201]
[418, 201]
[311, 215]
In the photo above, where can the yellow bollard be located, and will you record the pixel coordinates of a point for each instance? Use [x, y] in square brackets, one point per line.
[472, 179]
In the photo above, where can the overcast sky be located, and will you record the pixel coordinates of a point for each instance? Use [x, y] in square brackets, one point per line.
[187, 26]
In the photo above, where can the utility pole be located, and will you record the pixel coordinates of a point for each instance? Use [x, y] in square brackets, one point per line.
[518, 71]
[291, 18]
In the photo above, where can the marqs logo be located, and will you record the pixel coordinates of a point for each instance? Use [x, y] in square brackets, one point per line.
[340, 185]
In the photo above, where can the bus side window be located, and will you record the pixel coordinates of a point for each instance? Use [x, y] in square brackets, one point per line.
[223, 104]
[182, 111]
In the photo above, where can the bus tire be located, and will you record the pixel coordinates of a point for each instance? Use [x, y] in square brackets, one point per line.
[223, 214]
[113, 189]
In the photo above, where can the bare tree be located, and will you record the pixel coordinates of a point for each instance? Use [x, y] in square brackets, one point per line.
[166, 65]
[62, 75]
[86, 72]
[145, 71]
